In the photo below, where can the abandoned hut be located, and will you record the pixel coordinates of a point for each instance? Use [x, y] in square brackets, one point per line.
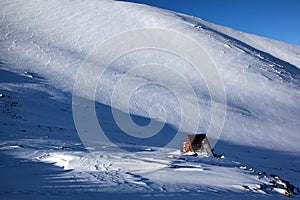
[195, 144]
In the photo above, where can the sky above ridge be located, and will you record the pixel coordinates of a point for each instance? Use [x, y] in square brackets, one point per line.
[276, 19]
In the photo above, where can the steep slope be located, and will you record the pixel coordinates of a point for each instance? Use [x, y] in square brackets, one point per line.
[53, 39]
[66, 65]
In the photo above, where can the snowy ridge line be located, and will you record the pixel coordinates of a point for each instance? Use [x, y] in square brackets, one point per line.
[292, 71]
[290, 53]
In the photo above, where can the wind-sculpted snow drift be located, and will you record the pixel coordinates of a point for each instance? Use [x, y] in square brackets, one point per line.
[136, 78]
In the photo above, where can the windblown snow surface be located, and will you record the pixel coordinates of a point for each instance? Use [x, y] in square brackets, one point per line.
[43, 47]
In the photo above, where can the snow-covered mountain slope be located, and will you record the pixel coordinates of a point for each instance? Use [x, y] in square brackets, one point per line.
[53, 38]
[290, 53]
[46, 50]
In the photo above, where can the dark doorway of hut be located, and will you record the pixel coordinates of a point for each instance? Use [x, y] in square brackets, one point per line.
[196, 144]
